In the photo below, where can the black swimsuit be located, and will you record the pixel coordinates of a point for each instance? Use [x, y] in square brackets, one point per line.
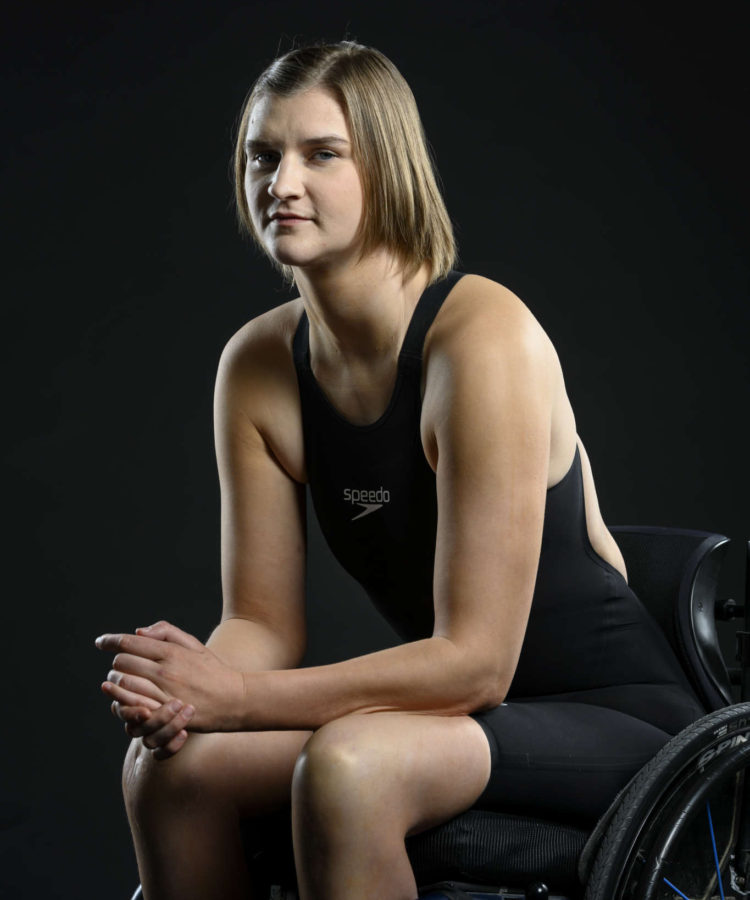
[597, 689]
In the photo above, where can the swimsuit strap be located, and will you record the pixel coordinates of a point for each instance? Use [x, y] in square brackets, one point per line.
[425, 311]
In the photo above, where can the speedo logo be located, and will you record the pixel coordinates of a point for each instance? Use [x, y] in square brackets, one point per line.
[370, 501]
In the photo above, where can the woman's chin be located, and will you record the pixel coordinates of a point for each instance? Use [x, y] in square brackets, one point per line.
[291, 256]
[292, 259]
[300, 257]
[300, 260]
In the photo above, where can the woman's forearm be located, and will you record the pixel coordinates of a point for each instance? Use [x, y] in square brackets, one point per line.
[250, 646]
[427, 676]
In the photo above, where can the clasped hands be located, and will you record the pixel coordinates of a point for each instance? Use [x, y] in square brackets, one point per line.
[163, 680]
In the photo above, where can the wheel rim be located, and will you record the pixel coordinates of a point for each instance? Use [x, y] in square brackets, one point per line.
[677, 844]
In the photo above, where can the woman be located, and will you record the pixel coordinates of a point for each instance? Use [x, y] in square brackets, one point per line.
[428, 413]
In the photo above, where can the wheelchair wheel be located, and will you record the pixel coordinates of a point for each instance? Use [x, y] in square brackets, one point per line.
[675, 833]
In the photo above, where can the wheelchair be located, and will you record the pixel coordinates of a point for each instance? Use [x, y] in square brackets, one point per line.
[679, 829]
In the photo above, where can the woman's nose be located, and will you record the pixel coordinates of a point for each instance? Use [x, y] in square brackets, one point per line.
[287, 181]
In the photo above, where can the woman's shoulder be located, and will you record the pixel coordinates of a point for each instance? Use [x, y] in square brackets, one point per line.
[482, 317]
[256, 388]
[264, 338]
[486, 351]
[256, 371]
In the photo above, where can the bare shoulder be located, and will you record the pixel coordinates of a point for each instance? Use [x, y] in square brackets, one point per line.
[263, 343]
[487, 350]
[483, 320]
[256, 387]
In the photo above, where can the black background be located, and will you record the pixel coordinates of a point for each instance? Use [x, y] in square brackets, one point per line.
[594, 161]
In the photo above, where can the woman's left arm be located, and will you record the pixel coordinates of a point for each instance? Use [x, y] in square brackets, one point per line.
[487, 414]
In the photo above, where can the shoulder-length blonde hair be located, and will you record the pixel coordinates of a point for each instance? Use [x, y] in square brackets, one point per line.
[403, 207]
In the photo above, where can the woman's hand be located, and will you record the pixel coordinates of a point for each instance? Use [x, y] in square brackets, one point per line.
[163, 732]
[161, 665]
[151, 714]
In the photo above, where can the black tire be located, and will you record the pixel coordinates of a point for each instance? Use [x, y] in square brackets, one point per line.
[658, 828]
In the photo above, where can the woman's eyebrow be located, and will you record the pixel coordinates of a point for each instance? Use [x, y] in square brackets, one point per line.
[256, 144]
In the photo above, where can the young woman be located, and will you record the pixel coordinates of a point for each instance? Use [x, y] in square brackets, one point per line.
[427, 411]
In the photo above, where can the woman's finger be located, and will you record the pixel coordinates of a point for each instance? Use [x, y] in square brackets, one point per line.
[130, 698]
[136, 665]
[163, 735]
[140, 686]
[165, 631]
[172, 747]
[131, 715]
[137, 644]
[157, 719]
[127, 698]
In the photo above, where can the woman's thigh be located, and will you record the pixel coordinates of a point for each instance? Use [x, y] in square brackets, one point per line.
[405, 770]
[562, 760]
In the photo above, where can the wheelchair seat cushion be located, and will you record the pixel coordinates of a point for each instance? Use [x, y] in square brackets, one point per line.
[497, 848]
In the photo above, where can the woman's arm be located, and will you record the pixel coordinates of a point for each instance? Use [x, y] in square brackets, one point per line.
[487, 417]
[262, 504]
[262, 523]
[249, 645]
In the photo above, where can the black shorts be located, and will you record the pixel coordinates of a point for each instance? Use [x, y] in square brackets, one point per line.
[566, 758]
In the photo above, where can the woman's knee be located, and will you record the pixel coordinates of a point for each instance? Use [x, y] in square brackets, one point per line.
[249, 773]
[147, 781]
[391, 766]
[343, 766]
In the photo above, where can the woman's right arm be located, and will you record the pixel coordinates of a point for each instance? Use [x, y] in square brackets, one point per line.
[261, 473]
[258, 453]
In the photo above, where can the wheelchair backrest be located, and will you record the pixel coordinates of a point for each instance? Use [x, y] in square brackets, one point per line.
[675, 573]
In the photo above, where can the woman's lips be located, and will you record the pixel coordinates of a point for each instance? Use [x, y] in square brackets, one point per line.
[289, 220]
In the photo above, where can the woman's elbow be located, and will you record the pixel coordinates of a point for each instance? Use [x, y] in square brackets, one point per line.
[478, 680]
[492, 693]
[489, 688]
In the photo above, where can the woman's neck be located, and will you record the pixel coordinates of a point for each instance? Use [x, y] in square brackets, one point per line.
[359, 313]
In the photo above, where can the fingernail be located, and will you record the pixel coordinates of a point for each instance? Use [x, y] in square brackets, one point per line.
[188, 712]
[99, 640]
[175, 706]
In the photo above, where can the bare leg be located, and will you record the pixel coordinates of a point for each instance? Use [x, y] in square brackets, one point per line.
[363, 783]
[185, 811]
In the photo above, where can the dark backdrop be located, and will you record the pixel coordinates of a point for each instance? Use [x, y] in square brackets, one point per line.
[593, 161]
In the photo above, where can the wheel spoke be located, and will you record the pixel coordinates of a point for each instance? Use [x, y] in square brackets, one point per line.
[672, 887]
[716, 855]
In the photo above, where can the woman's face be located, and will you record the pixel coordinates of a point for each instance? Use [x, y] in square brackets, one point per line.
[302, 187]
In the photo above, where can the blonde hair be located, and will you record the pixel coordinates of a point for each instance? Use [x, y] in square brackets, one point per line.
[403, 207]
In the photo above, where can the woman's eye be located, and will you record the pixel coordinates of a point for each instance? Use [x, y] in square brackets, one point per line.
[324, 155]
[263, 158]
